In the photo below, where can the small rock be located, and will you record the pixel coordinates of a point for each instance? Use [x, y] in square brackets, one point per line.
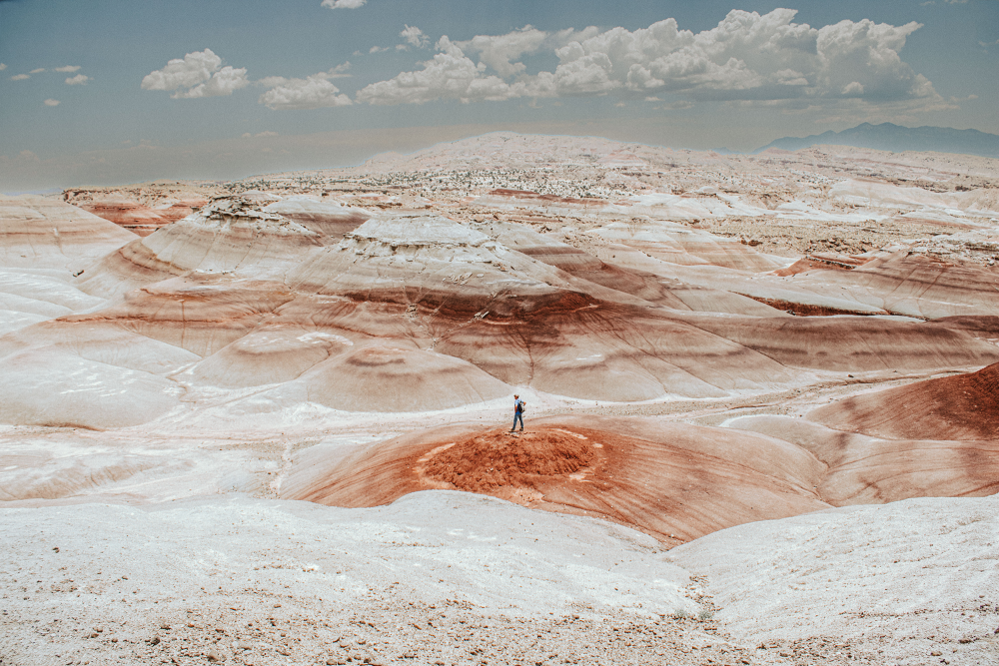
[936, 653]
[213, 655]
[155, 640]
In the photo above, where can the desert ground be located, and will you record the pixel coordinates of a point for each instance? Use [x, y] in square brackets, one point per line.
[266, 421]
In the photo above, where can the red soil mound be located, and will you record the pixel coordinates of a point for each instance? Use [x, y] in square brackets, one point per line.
[492, 460]
[964, 407]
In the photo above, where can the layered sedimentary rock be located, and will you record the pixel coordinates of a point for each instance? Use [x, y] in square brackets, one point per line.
[38, 232]
[323, 217]
[853, 344]
[524, 321]
[270, 354]
[201, 314]
[907, 284]
[678, 244]
[865, 470]
[398, 378]
[229, 236]
[137, 218]
[93, 374]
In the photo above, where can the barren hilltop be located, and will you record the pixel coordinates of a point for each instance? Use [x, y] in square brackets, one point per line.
[266, 421]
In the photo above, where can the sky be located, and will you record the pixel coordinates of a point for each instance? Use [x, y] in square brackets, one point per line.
[122, 91]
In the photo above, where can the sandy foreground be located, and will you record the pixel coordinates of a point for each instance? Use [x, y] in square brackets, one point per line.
[454, 578]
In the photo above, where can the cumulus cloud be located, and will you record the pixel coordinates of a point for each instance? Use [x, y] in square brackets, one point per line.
[198, 74]
[2, 66]
[746, 57]
[37, 71]
[223, 82]
[51, 102]
[343, 4]
[78, 80]
[19, 77]
[186, 72]
[501, 51]
[450, 75]
[312, 92]
[413, 36]
[68, 69]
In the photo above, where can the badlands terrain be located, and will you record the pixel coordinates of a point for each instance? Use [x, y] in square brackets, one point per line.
[265, 421]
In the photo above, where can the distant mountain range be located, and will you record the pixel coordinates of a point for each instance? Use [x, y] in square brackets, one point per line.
[897, 139]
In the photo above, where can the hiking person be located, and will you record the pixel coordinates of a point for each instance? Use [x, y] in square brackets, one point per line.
[518, 412]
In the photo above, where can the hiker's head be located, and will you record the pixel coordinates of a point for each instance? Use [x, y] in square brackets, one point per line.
[515, 395]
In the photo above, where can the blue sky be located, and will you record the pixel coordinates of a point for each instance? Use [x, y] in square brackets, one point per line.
[116, 91]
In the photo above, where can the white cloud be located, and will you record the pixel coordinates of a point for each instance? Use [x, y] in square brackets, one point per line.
[413, 36]
[19, 77]
[338, 72]
[343, 4]
[267, 133]
[501, 51]
[68, 69]
[78, 80]
[37, 71]
[188, 72]
[2, 66]
[746, 57]
[309, 93]
[223, 82]
[450, 75]
[51, 102]
[201, 73]
[378, 49]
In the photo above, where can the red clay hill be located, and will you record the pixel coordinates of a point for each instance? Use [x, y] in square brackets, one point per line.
[674, 481]
[963, 407]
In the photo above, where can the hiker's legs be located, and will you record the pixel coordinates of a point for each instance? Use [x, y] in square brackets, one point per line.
[517, 415]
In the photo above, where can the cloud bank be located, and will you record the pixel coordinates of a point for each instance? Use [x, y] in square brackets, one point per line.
[747, 57]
